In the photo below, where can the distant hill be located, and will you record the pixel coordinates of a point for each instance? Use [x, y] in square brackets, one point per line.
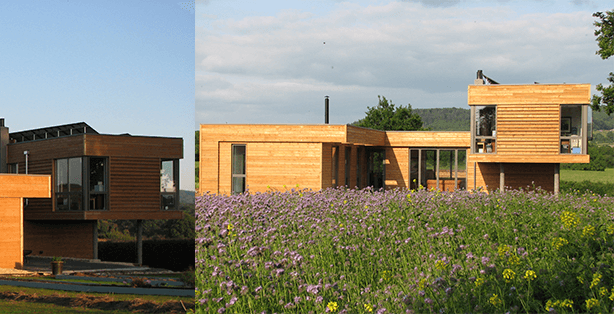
[601, 121]
[445, 119]
[186, 197]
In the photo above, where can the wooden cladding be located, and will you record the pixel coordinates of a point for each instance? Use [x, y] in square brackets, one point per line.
[427, 139]
[11, 233]
[53, 238]
[16, 185]
[528, 130]
[529, 94]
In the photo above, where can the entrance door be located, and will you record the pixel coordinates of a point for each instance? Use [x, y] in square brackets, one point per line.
[376, 169]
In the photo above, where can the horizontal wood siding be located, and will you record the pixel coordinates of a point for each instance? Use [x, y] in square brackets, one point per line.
[133, 146]
[271, 166]
[63, 147]
[272, 133]
[397, 167]
[55, 238]
[134, 184]
[526, 158]
[528, 130]
[11, 232]
[365, 136]
[428, 139]
[529, 94]
[21, 185]
[487, 176]
[208, 172]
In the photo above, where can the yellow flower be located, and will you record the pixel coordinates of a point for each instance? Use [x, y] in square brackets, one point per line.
[514, 260]
[530, 275]
[557, 243]
[386, 275]
[569, 219]
[422, 283]
[479, 282]
[440, 265]
[588, 231]
[502, 250]
[494, 300]
[509, 275]
[610, 229]
[332, 306]
[612, 296]
[368, 308]
[591, 303]
[230, 227]
[596, 280]
[603, 291]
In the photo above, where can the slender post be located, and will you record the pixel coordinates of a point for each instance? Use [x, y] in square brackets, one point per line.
[501, 177]
[556, 178]
[95, 239]
[139, 241]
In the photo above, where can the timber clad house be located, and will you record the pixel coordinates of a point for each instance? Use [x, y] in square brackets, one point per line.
[90, 176]
[519, 136]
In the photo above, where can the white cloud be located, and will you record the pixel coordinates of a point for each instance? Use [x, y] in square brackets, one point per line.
[257, 64]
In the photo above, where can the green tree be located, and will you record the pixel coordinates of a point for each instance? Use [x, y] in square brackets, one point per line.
[605, 39]
[386, 116]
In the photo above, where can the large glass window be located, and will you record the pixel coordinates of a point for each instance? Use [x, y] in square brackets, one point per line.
[72, 175]
[69, 183]
[573, 126]
[485, 129]
[442, 169]
[169, 183]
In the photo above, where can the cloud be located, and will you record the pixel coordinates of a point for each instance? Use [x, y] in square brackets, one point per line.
[260, 63]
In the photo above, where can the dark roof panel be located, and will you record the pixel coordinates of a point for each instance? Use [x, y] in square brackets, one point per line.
[52, 132]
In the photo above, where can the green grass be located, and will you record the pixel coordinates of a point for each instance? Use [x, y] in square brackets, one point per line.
[10, 307]
[116, 297]
[606, 176]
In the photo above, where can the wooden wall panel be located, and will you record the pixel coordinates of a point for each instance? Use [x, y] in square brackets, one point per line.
[133, 146]
[54, 238]
[427, 139]
[397, 167]
[487, 176]
[272, 133]
[208, 175]
[529, 94]
[134, 184]
[63, 147]
[528, 130]
[271, 166]
[365, 136]
[11, 233]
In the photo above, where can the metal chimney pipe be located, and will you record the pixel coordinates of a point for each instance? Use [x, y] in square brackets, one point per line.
[326, 109]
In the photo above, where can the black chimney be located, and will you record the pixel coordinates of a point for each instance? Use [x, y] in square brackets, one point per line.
[325, 109]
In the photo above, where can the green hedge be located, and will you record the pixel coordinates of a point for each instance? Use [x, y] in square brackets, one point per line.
[176, 255]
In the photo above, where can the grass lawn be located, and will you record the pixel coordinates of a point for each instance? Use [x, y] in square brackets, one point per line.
[606, 176]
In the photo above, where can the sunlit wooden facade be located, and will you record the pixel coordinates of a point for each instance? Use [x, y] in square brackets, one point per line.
[519, 136]
[93, 176]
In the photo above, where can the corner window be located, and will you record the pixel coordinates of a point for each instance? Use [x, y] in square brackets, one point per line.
[485, 129]
[169, 183]
[238, 169]
[98, 189]
[573, 129]
[13, 168]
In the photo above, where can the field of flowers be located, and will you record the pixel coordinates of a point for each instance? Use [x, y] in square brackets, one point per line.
[400, 251]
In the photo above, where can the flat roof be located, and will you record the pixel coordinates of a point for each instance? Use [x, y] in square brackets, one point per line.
[52, 132]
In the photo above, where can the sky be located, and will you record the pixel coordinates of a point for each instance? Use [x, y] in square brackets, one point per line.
[273, 62]
[120, 66]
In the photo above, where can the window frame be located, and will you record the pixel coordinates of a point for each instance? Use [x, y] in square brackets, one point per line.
[568, 138]
[85, 193]
[233, 166]
[175, 194]
[485, 139]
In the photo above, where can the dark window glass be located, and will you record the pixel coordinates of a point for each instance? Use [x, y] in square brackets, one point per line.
[238, 169]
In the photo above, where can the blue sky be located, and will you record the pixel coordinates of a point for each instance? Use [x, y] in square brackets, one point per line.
[120, 66]
[274, 61]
